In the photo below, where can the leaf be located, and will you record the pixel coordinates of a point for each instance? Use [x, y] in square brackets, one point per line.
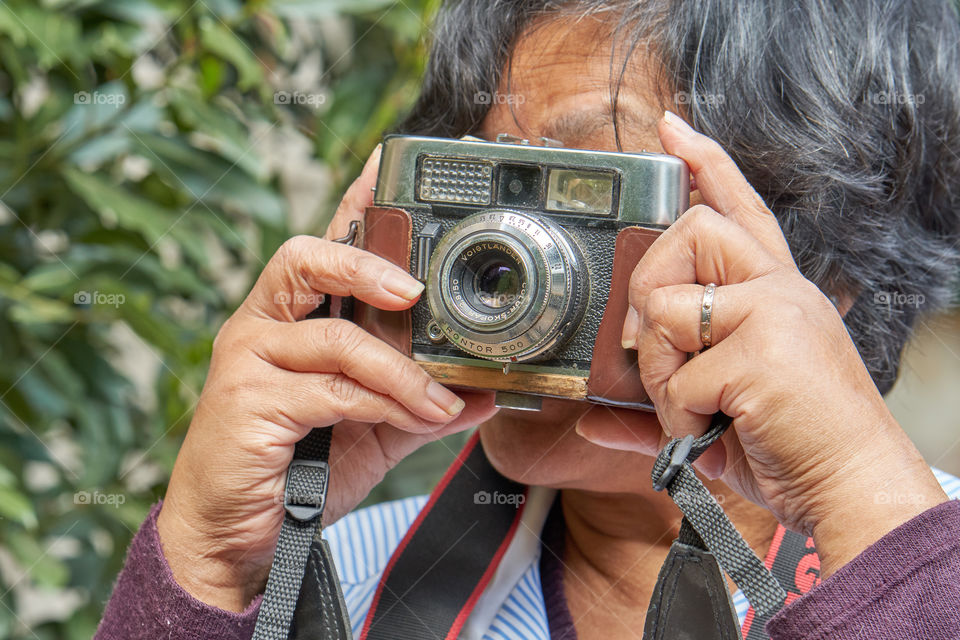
[116, 205]
[219, 39]
[210, 179]
[54, 36]
[45, 569]
[228, 137]
[17, 507]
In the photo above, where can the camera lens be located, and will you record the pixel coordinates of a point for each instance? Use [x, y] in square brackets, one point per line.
[488, 280]
[497, 282]
[507, 286]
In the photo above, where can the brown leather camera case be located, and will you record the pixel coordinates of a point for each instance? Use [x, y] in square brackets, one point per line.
[614, 377]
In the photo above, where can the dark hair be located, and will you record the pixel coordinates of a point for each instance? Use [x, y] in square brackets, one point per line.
[843, 116]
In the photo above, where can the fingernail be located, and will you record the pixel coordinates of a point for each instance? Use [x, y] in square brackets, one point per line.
[677, 123]
[401, 284]
[631, 324]
[444, 398]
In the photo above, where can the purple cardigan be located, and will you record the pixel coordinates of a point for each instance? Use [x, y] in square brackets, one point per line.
[906, 585]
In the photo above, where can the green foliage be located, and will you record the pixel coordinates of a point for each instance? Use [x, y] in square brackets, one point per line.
[152, 157]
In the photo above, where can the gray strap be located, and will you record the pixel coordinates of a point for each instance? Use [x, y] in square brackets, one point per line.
[701, 511]
[304, 498]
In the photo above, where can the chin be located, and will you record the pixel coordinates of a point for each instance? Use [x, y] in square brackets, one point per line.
[541, 448]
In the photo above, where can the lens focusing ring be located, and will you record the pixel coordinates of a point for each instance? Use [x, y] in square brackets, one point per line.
[550, 296]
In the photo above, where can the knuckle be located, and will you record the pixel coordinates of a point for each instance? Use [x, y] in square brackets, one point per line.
[289, 260]
[672, 392]
[348, 340]
[638, 279]
[350, 264]
[657, 307]
[716, 154]
[698, 216]
[224, 336]
[342, 389]
[340, 333]
[292, 250]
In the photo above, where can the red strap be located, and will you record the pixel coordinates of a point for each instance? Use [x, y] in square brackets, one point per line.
[793, 561]
[450, 553]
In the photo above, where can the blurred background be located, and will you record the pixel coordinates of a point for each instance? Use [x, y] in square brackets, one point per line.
[153, 155]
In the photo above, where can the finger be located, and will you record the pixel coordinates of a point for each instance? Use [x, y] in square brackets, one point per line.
[305, 268]
[701, 247]
[357, 198]
[725, 454]
[721, 183]
[622, 429]
[339, 346]
[316, 400]
[715, 380]
[480, 407]
[671, 330]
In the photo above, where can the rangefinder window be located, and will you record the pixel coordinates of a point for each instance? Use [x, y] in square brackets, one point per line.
[520, 185]
[455, 181]
[580, 191]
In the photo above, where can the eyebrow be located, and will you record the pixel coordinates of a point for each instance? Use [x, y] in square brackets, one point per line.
[578, 126]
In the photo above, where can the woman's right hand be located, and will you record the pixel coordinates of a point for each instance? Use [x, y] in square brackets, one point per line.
[272, 379]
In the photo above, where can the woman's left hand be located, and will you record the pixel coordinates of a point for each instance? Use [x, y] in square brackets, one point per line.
[811, 439]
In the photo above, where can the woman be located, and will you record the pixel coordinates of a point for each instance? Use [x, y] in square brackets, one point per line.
[844, 118]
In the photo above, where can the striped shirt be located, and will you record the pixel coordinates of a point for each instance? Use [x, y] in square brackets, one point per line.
[363, 541]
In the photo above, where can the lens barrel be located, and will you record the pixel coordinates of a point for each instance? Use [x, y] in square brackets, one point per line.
[507, 286]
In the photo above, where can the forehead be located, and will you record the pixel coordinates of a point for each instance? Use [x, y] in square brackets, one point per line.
[560, 83]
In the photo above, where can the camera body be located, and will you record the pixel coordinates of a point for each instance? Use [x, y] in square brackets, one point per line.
[521, 248]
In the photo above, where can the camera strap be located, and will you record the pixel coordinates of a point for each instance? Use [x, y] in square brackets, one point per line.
[449, 555]
[301, 550]
[304, 498]
[691, 598]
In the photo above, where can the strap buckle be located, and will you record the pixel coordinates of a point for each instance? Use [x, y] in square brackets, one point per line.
[305, 493]
[679, 450]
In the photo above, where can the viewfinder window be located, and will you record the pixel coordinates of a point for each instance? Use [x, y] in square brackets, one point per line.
[579, 191]
[520, 185]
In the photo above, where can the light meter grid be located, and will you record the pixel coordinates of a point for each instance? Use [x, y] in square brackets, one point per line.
[455, 181]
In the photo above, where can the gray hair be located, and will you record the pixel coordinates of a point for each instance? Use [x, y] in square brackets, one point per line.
[840, 114]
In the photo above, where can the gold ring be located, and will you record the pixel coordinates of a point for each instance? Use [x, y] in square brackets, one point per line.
[706, 315]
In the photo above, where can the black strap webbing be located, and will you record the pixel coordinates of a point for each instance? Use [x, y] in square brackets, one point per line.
[449, 554]
[304, 500]
[703, 514]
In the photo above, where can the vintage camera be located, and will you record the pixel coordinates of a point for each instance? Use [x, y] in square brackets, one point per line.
[525, 251]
